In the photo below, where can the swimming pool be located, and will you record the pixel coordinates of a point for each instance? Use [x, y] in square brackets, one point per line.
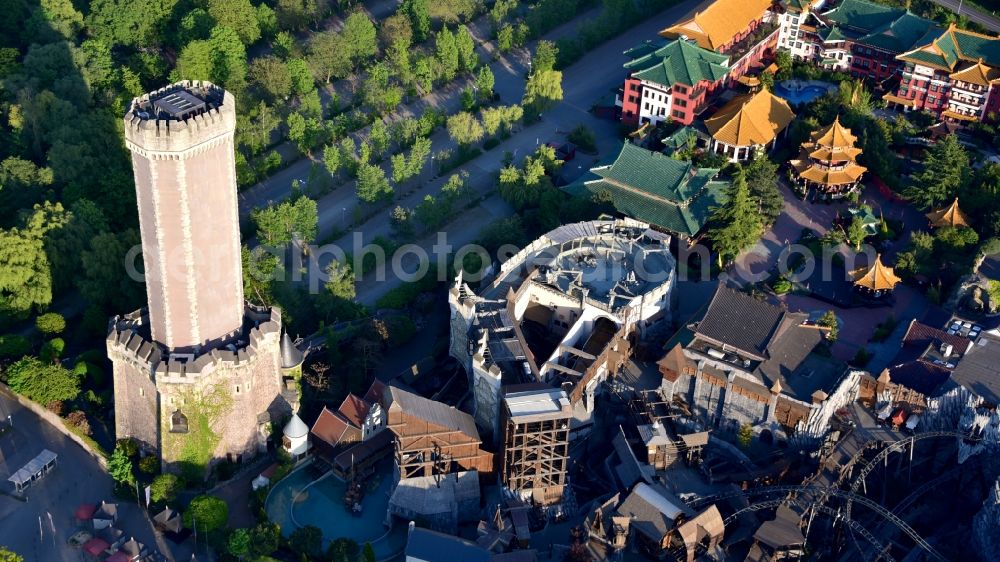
[799, 96]
[301, 500]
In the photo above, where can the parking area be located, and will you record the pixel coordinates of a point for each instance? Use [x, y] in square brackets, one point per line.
[38, 524]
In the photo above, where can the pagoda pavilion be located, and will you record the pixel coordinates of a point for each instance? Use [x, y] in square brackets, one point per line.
[877, 279]
[827, 162]
[948, 216]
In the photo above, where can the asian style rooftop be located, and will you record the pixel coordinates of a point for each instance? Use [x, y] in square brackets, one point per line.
[875, 277]
[653, 187]
[953, 46]
[752, 119]
[678, 62]
[719, 23]
[828, 158]
[951, 215]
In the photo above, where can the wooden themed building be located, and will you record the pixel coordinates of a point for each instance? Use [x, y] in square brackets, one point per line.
[876, 279]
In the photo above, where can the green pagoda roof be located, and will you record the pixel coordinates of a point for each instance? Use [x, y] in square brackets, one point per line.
[678, 62]
[832, 33]
[863, 16]
[953, 45]
[655, 188]
[902, 34]
[679, 139]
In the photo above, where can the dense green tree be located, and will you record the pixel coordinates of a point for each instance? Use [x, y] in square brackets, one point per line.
[9, 555]
[302, 77]
[916, 259]
[22, 184]
[343, 550]
[297, 14]
[25, 273]
[267, 21]
[13, 346]
[306, 541]
[379, 93]
[210, 512]
[543, 89]
[329, 56]
[266, 538]
[260, 270]
[505, 38]
[105, 282]
[120, 468]
[270, 74]
[484, 83]
[423, 73]
[500, 118]
[856, 233]
[368, 552]
[420, 17]
[195, 25]
[544, 59]
[372, 184]
[829, 321]
[133, 23]
[239, 15]
[499, 11]
[762, 178]
[50, 323]
[446, 52]
[360, 37]
[52, 20]
[255, 126]
[43, 382]
[395, 29]
[340, 280]
[239, 542]
[332, 159]
[468, 60]
[278, 224]
[464, 128]
[164, 488]
[378, 137]
[745, 436]
[399, 59]
[944, 174]
[221, 58]
[737, 222]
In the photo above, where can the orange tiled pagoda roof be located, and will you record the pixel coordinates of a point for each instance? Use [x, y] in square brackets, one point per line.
[721, 21]
[750, 119]
[834, 144]
[876, 277]
[949, 216]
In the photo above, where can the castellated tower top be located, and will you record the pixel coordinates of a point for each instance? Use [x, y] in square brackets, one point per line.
[181, 139]
[179, 118]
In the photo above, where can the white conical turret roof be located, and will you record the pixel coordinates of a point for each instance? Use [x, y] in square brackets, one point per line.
[295, 428]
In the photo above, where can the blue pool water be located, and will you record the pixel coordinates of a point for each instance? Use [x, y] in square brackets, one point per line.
[799, 96]
[295, 502]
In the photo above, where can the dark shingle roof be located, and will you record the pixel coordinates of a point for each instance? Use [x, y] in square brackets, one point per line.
[902, 34]
[920, 376]
[432, 546]
[679, 62]
[740, 321]
[978, 370]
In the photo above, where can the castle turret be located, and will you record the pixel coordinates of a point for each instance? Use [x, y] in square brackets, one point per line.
[181, 139]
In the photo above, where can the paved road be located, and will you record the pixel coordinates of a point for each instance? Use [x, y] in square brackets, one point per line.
[76, 479]
[973, 13]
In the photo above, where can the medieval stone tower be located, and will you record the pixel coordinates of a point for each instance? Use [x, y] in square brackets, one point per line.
[198, 373]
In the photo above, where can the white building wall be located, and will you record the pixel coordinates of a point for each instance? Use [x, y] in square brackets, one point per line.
[655, 104]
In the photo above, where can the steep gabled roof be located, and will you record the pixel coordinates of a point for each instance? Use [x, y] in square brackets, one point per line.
[354, 410]
[331, 428]
[954, 45]
[431, 411]
[679, 62]
[835, 142]
[719, 23]
[752, 119]
[740, 322]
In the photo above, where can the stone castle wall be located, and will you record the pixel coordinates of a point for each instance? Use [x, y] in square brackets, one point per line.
[221, 394]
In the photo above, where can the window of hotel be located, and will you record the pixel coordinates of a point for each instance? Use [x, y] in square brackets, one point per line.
[680, 89]
[678, 114]
[681, 103]
[931, 99]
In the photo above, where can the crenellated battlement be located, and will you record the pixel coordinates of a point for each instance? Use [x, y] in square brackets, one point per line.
[180, 120]
[128, 340]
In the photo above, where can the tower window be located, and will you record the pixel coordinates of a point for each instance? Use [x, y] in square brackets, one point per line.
[178, 422]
